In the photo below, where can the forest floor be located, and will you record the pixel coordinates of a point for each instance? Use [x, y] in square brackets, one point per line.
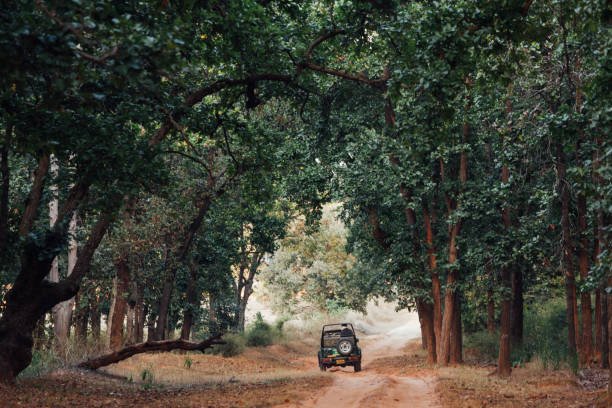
[394, 375]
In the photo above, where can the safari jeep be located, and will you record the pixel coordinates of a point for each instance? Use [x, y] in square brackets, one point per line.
[339, 347]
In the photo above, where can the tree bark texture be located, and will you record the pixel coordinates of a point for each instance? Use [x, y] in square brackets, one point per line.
[456, 345]
[450, 301]
[118, 310]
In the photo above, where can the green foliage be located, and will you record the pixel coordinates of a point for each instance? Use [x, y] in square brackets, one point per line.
[546, 334]
[545, 338]
[188, 362]
[260, 333]
[310, 269]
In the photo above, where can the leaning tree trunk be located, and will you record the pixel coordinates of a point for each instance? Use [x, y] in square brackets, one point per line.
[149, 346]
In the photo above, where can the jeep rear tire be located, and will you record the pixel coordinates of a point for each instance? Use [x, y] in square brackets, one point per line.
[357, 367]
[345, 347]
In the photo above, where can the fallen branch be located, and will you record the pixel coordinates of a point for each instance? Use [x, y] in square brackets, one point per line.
[149, 346]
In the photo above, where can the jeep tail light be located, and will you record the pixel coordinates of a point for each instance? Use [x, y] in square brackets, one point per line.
[327, 360]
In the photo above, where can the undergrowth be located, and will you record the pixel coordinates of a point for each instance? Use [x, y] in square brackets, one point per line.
[545, 338]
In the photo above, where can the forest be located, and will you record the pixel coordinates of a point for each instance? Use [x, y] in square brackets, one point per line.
[163, 162]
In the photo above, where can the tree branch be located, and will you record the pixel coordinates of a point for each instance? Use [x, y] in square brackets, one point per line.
[29, 215]
[319, 40]
[198, 95]
[526, 7]
[380, 83]
[52, 14]
[149, 346]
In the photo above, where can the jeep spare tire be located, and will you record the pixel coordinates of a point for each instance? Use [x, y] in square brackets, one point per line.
[345, 346]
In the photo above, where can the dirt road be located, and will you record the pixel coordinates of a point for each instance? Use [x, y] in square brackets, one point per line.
[374, 387]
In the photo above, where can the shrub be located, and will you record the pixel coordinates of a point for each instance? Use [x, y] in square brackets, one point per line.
[545, 338]
[546, 334]
[260, 333]
[234, 345]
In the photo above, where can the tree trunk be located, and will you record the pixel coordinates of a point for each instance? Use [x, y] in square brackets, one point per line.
[63, 310]
[81, 319]
[151, 328]
[503, 365]
[456, 346]
[213, 322]
[436, 289]
[425, 313]
[164, 305]
[586, 343]
[193, 302]
[245, 286]
[118, 310]
[567, 249]
[516, 314]
[149, 346]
